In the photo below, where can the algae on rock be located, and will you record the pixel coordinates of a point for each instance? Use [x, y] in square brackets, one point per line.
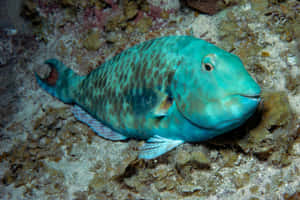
[271, 138]
[92, 42]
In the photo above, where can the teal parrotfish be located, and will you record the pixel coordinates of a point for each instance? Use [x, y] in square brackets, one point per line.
[167, 91]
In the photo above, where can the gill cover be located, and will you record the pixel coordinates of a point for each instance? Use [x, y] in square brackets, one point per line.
[212, 90]
[189, 90]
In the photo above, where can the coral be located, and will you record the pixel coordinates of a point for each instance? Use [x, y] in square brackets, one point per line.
[163, 176]
[30, 11]
[143, 24]
[130, 10]
[92, 42]
[229, 157]
[237, 36]
[157, 12]
[67, 3]
[116, 23]
[294, 196]
[271, 138]
[27, 161]
[293, 83]
[38, 22]
[259, 5]
[240, 180]
[167, 5]
[126, 15]
[209, 7]
[198, 159]
[284, 20]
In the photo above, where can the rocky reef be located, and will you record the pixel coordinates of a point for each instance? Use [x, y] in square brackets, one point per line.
[45, 153]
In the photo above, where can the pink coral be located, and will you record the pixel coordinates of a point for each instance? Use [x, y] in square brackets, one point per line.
[156, 11]
[95, 17]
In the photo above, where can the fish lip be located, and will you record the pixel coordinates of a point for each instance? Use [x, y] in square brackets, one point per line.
[250, 95]
[255, 97]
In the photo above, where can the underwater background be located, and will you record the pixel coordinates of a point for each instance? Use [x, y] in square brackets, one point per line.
[45, 153]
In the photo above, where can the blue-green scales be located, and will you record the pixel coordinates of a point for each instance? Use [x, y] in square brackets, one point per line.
[167, 91]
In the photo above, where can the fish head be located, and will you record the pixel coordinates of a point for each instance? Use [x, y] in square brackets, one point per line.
[213, 90]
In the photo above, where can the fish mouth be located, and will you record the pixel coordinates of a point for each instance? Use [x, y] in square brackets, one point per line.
[251, 98]
[254, 96]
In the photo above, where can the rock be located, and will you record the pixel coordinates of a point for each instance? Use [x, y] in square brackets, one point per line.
[271, 138]
[165, 4]
[98, 183]
[198, 159]
[70, 15]
[162, 176]
[182, 158]
[30, 11]
[293, 83]
[144, 24]
[229, 158]
[43, 71]
[240, 180]
[116, 23]
[209, 7]
[81, 195]
[75, 4]
[92, 41]
[112, 37]
[69, 3]
[295, 196]
[265, 54]
[259, 5]
[8, 178]
[130, 10]
[295, 149]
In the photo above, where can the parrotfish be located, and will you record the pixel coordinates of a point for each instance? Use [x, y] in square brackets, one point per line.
[167, 91]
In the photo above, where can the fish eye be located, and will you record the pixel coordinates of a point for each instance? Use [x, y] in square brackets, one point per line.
[208, 67]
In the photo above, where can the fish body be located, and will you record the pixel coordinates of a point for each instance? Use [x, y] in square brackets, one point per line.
[167, 91]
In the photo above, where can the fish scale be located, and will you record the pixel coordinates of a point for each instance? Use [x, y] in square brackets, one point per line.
[130, 71]
[168, 91]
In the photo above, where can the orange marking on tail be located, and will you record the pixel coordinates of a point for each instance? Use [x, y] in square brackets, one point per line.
[53, 77]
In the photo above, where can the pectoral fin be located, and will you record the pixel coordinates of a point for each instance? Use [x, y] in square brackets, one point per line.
[96, 125]
[149, 101]
[162, 108]
[156, 146]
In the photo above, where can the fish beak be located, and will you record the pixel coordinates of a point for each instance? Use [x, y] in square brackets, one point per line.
[254, 97]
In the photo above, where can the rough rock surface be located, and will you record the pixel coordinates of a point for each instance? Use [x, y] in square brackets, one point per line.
[209, 7]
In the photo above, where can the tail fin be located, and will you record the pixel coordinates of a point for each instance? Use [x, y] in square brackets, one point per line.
[61, 81]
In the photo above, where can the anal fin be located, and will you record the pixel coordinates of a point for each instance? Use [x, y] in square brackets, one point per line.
[96, 125]
[156, 146]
